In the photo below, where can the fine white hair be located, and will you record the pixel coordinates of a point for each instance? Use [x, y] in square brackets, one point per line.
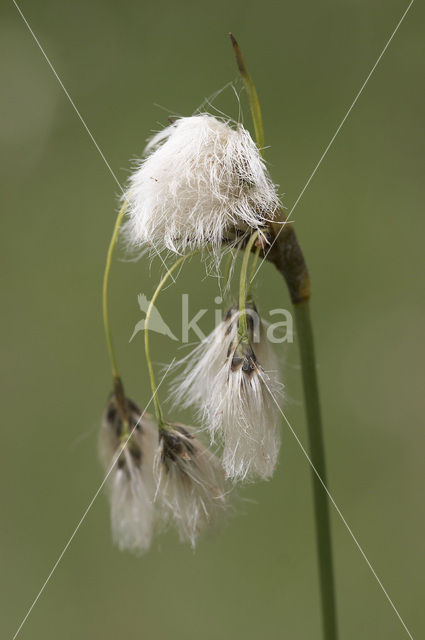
[201, 366]
[131, 484]
[190, 481]
[202, 181]
[236, 403]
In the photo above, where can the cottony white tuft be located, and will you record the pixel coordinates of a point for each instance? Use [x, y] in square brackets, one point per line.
[131, 483]
[190, 482]
[231, 381]
[193, 386]
[201, 181]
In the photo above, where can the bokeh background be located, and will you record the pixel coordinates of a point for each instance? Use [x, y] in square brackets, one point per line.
[361, 224]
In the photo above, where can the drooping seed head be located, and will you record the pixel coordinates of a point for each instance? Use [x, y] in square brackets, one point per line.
[131, 484]
[190, 482]
[232, 380]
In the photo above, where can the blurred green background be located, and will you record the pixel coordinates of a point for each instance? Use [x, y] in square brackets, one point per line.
[361, 225]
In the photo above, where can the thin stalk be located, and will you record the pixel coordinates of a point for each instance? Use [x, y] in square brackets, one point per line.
[253, 268]
[243, 325]
[158, 410]
[254, 102]
[288, 258]
[105, 290]
[317, 453]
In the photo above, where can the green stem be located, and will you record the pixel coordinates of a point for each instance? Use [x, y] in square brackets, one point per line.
[287, 256]
[288, 259]
[158, 411]
[107, 271]
[317, 453]
[243, 325]
[254, 102]
[253, 268]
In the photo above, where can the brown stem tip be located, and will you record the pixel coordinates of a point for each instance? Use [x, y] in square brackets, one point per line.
[238, 55]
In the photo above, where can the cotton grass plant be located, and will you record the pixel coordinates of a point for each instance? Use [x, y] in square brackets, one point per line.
[203, 187]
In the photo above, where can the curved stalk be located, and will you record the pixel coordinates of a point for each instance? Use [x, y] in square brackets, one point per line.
[158, 410]
[243, 326]
[253, 268]
[112, 243]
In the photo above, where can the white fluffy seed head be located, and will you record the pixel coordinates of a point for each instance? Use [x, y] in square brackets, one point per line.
[200, 367]
[248, 417]
[131, 484]
[201, 180]
[232, 384]
[190, 482]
